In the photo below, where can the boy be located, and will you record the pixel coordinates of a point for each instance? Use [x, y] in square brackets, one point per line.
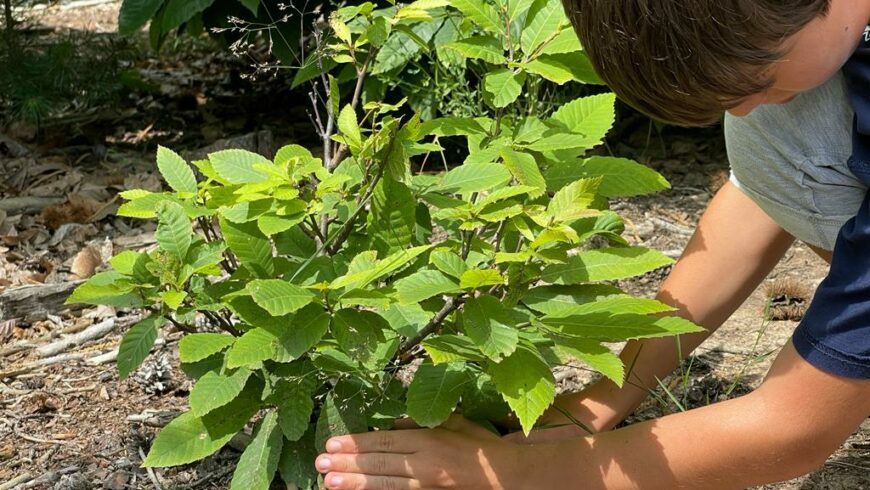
[800, 169]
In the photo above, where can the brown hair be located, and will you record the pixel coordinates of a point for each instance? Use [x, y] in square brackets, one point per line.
[687, 61]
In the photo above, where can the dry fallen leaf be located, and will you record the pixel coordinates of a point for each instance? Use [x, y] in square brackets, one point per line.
[86, 262]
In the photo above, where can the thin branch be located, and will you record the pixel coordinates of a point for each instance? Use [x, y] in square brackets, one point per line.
[451, 305]
[221, 322]
[357, 92]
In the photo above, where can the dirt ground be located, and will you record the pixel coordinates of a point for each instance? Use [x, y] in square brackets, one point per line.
[70, 423]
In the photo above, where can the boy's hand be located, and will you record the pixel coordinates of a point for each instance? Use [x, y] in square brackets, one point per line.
[459, 454]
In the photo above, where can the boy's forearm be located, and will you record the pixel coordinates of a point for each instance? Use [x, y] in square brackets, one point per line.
[784, 429]
[733, 249]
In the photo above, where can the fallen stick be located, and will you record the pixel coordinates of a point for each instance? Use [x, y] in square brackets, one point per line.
[37, 301]
[95, 331]
[18, 480]
[18, 205]
[41, 364]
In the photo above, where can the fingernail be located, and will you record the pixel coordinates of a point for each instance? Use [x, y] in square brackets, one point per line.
[333, 445]
[335, 480]
[323, 464]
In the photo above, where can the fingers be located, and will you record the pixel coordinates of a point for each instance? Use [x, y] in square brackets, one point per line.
[378, 464]
[381, 441]
[350, 481]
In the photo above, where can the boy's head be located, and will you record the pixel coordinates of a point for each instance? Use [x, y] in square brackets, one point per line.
[688, 61]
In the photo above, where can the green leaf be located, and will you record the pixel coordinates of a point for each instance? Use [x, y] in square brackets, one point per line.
[564, 42]
[553, 69]
[272, 225]
[284, 340]
[448, 262]
[594, 355]
[452, 126]
[481, 14]
[478, 278]
[205, 255]
[279, 297]
[423, 285]
[349, 128]
[215, 390]
[174, 233]
[175, 171]
[388, 265]
[579, 64]
[491, 326]
[403, 46]
[125, 261]
[238, 166]
[294, 398]
[256, 345]
[136, 13]
[621, 177]
[525, 169]
[607, 264]
[359, 334]
[250, 245]
[572, 201]
[392, 217]
[184, 440]
[173, 299]
[504, 86]
[406, 320]
[435, 391]
[526, 383]
[607, 327]
[297, 461]
[591, 116]
[180, 11]
[339, 417]
[137, 344]
[544, 18]
[518, 7]
[257, 465]
[106, 288]
[247, 210]
[486, 48]
[143, 205]
[474, 177]
[252, 5]
[197, 346]
[558, 140]
[189, 438]
[452, 348]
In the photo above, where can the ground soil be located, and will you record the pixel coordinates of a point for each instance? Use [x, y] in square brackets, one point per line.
[77, 426]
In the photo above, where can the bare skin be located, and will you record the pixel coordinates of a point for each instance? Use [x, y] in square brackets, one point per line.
[785, 428]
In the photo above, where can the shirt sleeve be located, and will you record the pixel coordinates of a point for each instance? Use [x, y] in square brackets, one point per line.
[834, 335]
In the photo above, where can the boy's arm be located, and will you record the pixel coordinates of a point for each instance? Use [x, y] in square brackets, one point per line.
[733, 249]
[785, 428]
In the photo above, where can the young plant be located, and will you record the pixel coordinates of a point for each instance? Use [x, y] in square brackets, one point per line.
[322, 278]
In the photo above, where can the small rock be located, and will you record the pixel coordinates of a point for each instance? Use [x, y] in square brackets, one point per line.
[104, 394]
[117, 480]
[11, 148]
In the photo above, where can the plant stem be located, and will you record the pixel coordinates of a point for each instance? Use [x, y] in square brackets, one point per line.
[451, 305]
[10, 22]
